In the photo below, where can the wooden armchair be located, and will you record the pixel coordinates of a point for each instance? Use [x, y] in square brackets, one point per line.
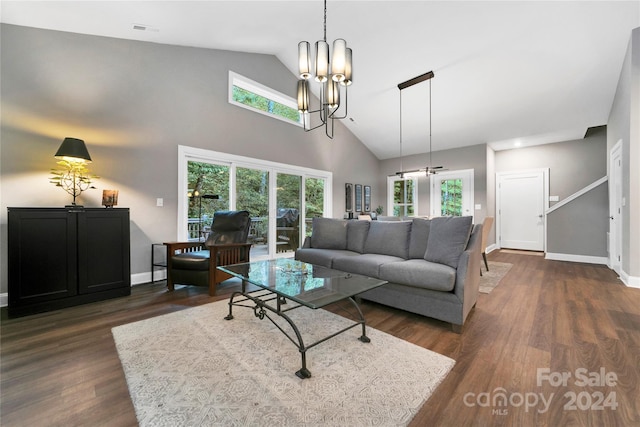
[195, 263]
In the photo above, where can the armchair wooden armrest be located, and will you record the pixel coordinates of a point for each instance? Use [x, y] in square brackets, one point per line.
[225, 254]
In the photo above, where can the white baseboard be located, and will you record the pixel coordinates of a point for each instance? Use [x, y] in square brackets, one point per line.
[4, 300]
[491, 248]
[140, 278]
[577, 258]
[630, 281]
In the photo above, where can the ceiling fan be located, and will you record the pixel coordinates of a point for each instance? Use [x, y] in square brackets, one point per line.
[428, 170]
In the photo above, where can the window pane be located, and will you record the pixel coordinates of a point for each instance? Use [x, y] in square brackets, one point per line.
[451, 197]
[314, 203]
[288, 212]
[262, 103]
[252, 194]
[404, 197]
[205, 180]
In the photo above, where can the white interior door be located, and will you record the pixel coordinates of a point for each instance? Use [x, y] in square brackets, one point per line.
[615, 207]
[521, 198]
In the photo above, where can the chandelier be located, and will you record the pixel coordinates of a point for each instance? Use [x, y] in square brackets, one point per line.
[331, 72]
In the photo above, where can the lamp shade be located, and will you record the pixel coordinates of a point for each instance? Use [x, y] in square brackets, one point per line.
[73, 149]
[339, 60]
[304, 60]
[333, 94]
[303, 96]
[322, 61]
[348, 71]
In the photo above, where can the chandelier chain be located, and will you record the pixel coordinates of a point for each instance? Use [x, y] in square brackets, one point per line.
[325, 20]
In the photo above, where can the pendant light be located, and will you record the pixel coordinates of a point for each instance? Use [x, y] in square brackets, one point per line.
[428, 170]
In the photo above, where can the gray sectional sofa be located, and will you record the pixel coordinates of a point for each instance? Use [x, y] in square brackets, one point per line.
[432, 266]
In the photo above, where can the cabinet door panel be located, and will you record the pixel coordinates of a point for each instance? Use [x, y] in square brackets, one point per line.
[103, 242]
[42, 256]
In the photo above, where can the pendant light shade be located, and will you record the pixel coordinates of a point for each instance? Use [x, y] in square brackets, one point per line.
[339, 60]
[303, 96]
[304, 60]
[333, 94]
[322, 61]
[348, 75]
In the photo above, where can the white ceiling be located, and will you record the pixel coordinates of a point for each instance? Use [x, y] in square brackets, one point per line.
[536, 72]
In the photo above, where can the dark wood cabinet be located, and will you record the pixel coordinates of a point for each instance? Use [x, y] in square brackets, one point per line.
[59, 257]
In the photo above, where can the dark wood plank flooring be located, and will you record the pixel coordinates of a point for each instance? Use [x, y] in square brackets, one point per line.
[61, 368]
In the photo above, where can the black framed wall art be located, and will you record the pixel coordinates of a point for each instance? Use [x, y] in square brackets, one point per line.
[348, 197]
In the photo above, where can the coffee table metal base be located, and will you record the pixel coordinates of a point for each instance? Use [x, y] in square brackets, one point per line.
[261, 309]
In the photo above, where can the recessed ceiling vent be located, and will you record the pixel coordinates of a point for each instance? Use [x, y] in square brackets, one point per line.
[142, 27]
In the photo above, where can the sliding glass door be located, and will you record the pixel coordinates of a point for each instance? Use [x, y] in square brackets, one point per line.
[281, 199]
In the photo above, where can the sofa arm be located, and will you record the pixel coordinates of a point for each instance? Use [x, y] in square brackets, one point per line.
[307, 242]
[468, 273]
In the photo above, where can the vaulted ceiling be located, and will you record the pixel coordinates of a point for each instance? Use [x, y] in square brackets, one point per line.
[534, 72]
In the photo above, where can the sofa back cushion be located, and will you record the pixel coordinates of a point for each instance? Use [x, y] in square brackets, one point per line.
[329, 233]
[448, 237]
[356, 235]
[388, 238]
[419, 238]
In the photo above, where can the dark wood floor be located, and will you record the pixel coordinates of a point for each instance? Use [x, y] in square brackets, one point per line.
[61, 368]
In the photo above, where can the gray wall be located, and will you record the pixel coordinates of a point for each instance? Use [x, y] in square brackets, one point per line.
[624, 124]
[572, 165]
[473, 157]
[134, 103]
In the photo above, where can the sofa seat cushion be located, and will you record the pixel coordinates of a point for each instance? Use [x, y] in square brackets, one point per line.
[365, 264]
[322, 257]
[197, 260]
[420, 274]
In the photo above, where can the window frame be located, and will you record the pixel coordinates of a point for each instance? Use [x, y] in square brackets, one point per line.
[390, 194]
[259, 89]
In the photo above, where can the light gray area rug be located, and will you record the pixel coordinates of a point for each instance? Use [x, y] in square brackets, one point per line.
[193, 368]
[490, 279]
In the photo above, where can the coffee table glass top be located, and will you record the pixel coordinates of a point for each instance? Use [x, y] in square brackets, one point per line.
[310, 285]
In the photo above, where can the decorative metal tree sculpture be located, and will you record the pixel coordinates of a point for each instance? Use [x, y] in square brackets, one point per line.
[74, 178]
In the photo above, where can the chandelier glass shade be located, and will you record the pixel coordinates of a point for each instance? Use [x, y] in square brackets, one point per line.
[332, 71]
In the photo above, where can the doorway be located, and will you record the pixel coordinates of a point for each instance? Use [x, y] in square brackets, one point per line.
[522, 199]
[452, 193]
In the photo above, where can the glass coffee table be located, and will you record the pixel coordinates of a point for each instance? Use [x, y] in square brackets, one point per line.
[284, 284]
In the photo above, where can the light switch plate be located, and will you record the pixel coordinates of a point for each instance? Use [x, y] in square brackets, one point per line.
[159, 201]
